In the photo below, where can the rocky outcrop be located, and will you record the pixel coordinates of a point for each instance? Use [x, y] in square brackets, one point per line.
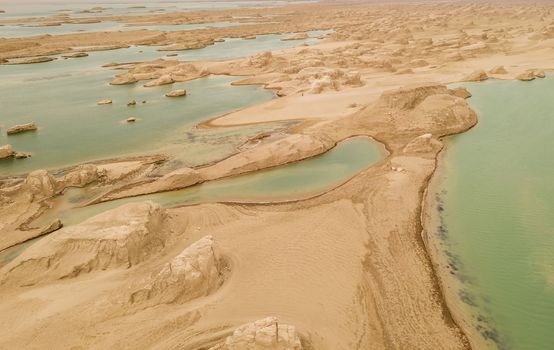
[54, 226]
[176, 93]
[321, 79]
[317, 86]
[461, 92]
[104, 102]
[540, 73]
[410, 96]
[295, 36]
[422, 144]
[190, 45]
[131, 120]
[21, 155]
[498, 70]
[196, 271]
[40, 184]
[163, 80]
[21, 128]
[121, 237]
[123, 79]
[289, 149]
[478, 75]
[526, 76]
[178, 179]
[31, 60]
[420, 109]
[260, 60]
[6, 151]
[75, 55]
[81, 176]
[264, 334]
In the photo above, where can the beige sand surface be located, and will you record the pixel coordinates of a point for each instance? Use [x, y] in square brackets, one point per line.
[347, 269]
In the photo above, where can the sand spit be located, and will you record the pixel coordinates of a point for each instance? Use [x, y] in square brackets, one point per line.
[266, 333]
[269, 154]
[17, 129]
[7, 151]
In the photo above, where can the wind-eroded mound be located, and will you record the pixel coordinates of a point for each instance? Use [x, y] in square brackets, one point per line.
[195, 272]
[422, 144]
[410, 96]
[290, 149]
[264, 334]
[124, 236]
[421, 108]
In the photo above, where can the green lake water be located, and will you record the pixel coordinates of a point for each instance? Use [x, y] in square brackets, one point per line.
[495, 211]
[73, 129]
[61, 96]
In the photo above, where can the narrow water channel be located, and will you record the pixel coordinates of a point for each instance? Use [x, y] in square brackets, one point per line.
[293, 181]
[287, 182]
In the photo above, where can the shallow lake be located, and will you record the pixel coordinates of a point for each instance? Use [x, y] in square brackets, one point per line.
[495, 209]
[61, 96]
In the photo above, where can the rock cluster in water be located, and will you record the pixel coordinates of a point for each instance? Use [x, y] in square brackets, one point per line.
[478, 75]
[104, 102]
[75, 55]
[176, 93]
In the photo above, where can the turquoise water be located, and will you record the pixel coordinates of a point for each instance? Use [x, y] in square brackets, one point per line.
[496, 213]
[73, 129]
[287, 182]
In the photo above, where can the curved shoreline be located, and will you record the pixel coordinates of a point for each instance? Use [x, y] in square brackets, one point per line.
[456, 317]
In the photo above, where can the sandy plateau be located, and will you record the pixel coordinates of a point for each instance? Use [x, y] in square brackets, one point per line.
[347, 269]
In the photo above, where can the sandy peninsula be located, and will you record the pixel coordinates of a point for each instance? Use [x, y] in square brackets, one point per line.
[346, 269]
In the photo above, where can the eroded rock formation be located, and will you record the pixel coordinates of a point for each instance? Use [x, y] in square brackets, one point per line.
[121, 237]
[264, 334]
[196, 271]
